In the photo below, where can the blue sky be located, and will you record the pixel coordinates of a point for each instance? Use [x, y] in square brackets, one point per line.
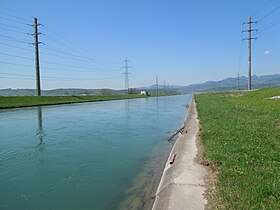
[183, 42]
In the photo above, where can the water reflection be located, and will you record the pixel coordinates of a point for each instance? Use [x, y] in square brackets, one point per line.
[157, 103]
[40, 131]
[127, 105]
[83, 154]
[127, 111]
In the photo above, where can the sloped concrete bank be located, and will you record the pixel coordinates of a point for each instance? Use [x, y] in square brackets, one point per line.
[182, 185]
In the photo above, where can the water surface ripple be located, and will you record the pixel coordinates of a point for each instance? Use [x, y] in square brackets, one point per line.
[82, 156]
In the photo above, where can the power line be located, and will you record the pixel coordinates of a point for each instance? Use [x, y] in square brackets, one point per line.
[13, 27]
[90, 79]
[63, 44]
[24, 75]
[86, 60]
[273, 11]
[141, 76]
[62, 64]
[268, 34]
[75, 44]
[270, 25]
[51, 68]
[88, 69]
[16, 11]
[52, 48]
[16, 46]
[16, 56]
[262, 8]
[44, 61]
[16, 31]
[65, 57]
[62, 78]
[15, 21]
[24, 78]
[70, 56]
[61, 69]
[82, 61]
[60, 43]
[15, 64]
[14, 16]
[240, 56]
[138, 81]
[74, 60]
[17, 78]
[14, 39]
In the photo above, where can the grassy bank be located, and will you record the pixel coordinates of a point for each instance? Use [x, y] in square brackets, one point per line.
[240, 132]
[26, 101]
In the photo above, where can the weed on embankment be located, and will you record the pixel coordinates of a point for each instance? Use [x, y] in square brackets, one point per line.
[240, 132]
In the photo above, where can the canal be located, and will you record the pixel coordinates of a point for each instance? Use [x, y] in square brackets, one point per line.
[84, 156]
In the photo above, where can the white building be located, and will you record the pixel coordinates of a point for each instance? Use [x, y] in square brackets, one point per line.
[144, 92]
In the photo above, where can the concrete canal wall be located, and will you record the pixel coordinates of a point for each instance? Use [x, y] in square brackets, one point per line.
[182, 185]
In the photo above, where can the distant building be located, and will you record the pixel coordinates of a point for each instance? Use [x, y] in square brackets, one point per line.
[144, 92]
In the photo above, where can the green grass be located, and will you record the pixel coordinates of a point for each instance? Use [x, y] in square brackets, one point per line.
[25, 101]
[240, 132]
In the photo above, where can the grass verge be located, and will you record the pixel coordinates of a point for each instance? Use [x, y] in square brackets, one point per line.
[27, 101]
[240, 133]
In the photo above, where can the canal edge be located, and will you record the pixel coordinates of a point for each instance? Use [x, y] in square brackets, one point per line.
[182, 184]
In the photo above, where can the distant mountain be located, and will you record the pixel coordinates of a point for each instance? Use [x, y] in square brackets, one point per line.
[231, 83]
[222, 85]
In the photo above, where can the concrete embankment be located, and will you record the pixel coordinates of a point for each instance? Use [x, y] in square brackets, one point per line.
[182, 185]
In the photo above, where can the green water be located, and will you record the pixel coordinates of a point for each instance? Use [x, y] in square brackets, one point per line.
[82, 156]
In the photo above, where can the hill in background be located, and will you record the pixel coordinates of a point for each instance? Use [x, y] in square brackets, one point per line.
[229, 83]
[222, 85]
